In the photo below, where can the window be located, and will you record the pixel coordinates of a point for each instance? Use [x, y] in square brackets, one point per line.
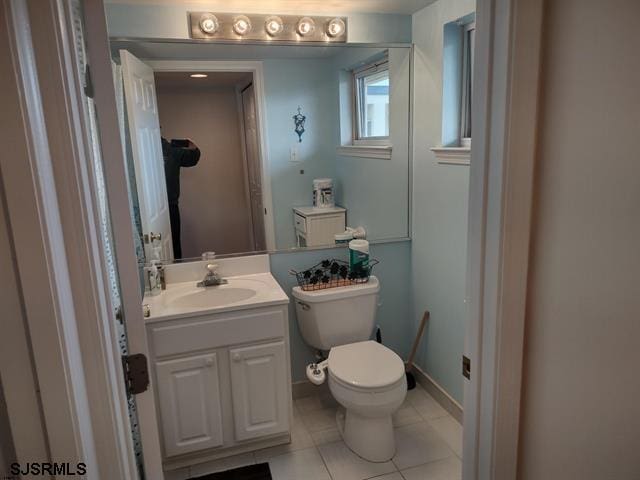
[371, 105]
[468, 44]
[457, 83]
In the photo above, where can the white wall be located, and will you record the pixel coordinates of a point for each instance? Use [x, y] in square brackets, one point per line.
[440, 196]
[581, 395]
[210, 117]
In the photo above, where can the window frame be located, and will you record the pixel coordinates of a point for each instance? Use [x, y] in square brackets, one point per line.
[466, 87]
[375, 67]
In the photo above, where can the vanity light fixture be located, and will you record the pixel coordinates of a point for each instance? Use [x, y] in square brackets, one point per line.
[271, 28]
[209, 24]
[198, 75]
[241, 25]
[336, 27]
[306, 26]
[274, 25]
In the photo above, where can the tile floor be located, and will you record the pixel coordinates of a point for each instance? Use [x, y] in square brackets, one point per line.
[429, 446]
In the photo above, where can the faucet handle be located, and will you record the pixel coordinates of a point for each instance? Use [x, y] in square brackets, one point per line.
[212, 267]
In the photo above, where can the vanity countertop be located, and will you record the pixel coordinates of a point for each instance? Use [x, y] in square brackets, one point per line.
[185, 299]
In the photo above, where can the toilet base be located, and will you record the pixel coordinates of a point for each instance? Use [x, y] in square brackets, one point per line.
[371, 438]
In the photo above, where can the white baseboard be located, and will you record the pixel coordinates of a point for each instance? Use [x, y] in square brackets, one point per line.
[449, 403]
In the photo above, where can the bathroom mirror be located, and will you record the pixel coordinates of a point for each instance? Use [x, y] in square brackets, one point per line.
[253, 147]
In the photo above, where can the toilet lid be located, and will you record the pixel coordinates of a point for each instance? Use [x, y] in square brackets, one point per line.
[365, 364]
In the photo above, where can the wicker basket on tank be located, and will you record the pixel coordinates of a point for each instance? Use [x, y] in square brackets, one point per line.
[331, 274]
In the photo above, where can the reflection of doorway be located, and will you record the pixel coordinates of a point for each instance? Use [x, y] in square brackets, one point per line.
[215, 208]
[215, 205]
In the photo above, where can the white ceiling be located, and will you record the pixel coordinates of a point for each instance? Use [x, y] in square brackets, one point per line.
[284, 7]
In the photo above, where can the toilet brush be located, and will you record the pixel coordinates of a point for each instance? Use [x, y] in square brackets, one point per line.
[411, 381]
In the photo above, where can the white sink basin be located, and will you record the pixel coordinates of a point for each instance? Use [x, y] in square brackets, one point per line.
[186, 299]
[212, 297]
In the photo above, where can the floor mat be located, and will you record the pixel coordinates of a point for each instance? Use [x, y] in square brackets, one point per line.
[250, 472]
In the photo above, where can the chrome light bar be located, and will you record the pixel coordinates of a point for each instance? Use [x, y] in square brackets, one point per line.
[267, 28]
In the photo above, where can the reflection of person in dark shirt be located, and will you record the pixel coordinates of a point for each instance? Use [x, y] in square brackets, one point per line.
[177, 154]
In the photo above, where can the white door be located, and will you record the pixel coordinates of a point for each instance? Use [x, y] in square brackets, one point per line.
[254, 170]
[190, 408]
[259, 390]
[144, 130]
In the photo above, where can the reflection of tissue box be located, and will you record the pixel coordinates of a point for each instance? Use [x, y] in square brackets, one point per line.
[323, 193]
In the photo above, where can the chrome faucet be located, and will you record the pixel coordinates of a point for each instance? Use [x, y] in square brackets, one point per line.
[212, 278]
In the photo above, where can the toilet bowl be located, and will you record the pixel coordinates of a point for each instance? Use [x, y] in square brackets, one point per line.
[365, 377]
[368, 380]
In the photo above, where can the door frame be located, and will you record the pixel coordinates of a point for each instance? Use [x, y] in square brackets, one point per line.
[257, 69]
[55, 236]
[505, 116]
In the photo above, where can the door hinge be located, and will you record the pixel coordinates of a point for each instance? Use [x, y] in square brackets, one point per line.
[466, 367]
[136, 373]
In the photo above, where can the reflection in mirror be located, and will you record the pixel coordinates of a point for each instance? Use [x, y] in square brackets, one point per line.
[283, 147]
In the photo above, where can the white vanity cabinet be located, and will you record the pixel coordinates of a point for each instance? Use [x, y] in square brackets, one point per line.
[222, 383]
[257, 380]
[189, 399]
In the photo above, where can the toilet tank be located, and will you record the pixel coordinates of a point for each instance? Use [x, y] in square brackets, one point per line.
[336, 316]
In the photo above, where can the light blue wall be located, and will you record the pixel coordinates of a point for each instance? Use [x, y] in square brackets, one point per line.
[376, 191]
[310, 84]
[393, 313]
[171, 21]
[440, 194]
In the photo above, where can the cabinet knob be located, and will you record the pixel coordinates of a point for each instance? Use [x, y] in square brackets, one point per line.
[236, 357]
[209, 362]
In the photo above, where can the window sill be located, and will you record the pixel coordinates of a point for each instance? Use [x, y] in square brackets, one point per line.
[452, 155]
[366, 151]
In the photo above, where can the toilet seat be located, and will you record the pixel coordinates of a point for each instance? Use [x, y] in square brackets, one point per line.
[365, 366]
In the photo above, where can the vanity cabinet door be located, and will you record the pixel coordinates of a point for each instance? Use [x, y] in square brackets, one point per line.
[190, 409]
[259, 390]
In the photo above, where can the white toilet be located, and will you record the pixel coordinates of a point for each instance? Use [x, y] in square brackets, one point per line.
[365, 377]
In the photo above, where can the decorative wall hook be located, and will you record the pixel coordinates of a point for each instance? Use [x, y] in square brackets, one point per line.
[299, 120]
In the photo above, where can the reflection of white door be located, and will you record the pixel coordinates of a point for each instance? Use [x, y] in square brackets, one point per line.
[144, 128]
[254, 170]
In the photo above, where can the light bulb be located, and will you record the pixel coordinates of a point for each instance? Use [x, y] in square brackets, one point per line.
[306, 26]
[209, 24]
[336, 27]
[241, 25]
[198, 75]
[274, 26]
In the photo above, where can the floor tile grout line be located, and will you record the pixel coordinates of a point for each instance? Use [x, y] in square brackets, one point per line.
[324, 463]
